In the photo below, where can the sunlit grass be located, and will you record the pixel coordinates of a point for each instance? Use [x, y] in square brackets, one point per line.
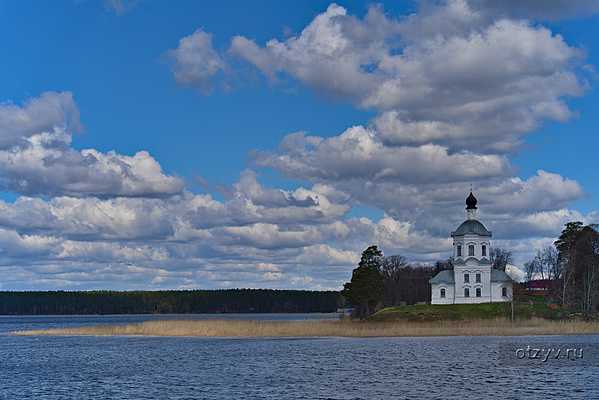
[228, 328]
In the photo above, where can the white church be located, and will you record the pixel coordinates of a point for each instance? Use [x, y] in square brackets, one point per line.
[472, 280]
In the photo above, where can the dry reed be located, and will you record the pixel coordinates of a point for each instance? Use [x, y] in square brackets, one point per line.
[246, 328]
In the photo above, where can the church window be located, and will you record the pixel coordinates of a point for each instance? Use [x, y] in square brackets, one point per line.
[442, 293]
[466, 292]
[484, 250]
[477, 278]
[504, 292]
[459, 250]
[466, 278]
[471, 250]
[477, 292]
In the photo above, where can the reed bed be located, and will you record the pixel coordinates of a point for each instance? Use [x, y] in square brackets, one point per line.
[229, 328]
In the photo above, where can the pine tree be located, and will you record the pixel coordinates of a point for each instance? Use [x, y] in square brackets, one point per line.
[366, 289]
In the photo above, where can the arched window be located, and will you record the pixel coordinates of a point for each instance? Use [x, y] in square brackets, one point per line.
[478, 277]
[459, 250]
[466, 292]
[443, 293]
[504, 291]
[466, 277]
[477, 292]
[471, 250]
[484, 250]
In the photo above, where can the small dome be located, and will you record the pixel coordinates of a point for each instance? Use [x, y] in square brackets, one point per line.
[471, 202]
[471, 227]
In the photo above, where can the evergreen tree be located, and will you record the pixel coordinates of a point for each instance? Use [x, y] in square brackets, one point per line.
[586, 269]
[565, 246]
[366, 289]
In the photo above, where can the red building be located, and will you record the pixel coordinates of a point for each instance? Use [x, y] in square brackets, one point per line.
[540, 286]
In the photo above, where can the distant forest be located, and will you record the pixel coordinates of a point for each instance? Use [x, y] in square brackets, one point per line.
[168, 302]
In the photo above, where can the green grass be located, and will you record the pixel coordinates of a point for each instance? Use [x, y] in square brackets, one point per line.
[453, 312]
[428, 312]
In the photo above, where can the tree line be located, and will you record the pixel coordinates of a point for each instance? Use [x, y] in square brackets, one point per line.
[387, 281]
[570, 267]
[168, 302]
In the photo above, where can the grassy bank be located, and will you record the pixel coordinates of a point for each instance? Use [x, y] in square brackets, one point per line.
[456, 312]
[228, 328]
[450, 312]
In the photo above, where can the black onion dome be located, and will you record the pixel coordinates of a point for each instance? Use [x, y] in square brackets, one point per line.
[471, 202]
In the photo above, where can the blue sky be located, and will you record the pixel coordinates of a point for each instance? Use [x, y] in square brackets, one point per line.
[114, 65]
[118, 66]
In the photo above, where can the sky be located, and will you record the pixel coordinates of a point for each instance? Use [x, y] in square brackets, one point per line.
[160, 145]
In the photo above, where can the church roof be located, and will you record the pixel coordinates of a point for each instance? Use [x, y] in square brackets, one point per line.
[443, 277]
[498, 275]
[446, 277]
[471, 226]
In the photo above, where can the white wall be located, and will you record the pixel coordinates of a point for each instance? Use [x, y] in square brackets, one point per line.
[490, 292]
[496, 291]
[472, 268]
[477, 241]
[436, 293]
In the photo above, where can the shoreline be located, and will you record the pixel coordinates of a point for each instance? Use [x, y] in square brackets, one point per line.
[320, 329]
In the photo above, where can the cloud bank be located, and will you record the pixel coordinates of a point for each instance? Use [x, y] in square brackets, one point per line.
[456, 87]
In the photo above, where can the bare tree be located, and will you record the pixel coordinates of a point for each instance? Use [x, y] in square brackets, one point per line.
[550, 262]
[530, 268]
[500, 258]
[444, 265]
[403, 282]
[545, 265]
[391, 270]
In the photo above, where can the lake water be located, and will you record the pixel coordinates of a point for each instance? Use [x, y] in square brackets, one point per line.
[317, 368]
